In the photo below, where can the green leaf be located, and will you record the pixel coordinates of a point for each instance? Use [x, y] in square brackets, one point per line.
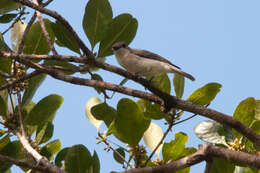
[245, 111]
[98, 14]
[117, 158]
[78, 159]
[51, 148]
[162, 82]
[64, 37]
[2, 42]
[4, 141]
[58, 63]
[33, 85]
[44, 110]
[35, 42]
[222, 166]
[151, 110]
[129, 115]
[122, 28]
[5, 64]
[98, 78]
[61, 156]
[178, 83]
[257, 110]
[104, 112]
[173, 150]
[3, 107]
[13, 150]
[95, 167]
[205, 94]
[44, 133]
[208, 131]
[7, 5]
[6, 18]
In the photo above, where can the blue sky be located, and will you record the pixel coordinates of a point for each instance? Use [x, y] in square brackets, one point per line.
[215, 41]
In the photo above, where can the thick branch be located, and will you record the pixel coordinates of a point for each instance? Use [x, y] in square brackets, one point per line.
[205, 151]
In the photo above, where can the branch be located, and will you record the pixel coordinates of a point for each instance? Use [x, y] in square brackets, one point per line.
[205, 151]
[5, 159]
[169, 101]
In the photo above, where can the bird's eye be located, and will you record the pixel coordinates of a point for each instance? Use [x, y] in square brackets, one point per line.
[124, 45]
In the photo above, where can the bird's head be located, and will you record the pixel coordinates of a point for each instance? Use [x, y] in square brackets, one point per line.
[119, 45]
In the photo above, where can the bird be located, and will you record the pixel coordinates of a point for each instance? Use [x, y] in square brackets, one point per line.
[145, 63]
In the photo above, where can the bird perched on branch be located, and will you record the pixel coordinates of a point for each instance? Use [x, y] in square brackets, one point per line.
[145, 63]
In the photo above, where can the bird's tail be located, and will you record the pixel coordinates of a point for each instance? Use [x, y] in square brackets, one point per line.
[179, 71]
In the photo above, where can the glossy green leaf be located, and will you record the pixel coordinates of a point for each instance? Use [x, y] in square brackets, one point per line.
[129, 115]
[174, 149]
[51, 148]
[44, 110]
[4, 141]
[33, 85]
[3, 107]
[208, 131]
[98, 14]
[162, 82]
[222, 166]
[151, 110]
[78, 159]
[122, 28]
[117, 157]
[104, 112]
[205, 94]
[178, 83]
[6, 18]
[5, 65]
[44, 133]
[7, 5]
[61, 156]
[2, 42]
[64, 37]
[12, 149]
[257, 110]
[95, 167]
[35, 42]
[249, 145]
[245, 111]
[64, 64]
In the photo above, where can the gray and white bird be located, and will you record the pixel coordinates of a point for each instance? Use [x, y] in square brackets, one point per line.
[144, 63]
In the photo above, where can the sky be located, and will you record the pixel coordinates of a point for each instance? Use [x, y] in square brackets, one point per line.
[215, 41]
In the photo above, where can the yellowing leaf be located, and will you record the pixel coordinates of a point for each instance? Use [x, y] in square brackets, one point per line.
[17, 34]
[91, 103]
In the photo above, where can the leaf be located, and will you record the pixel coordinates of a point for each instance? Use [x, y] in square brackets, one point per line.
[245, 111]
[173, 150]
[95, 167]
[98, 14]
[78, 159]
[91, 103]
[205, 94]
[51, 148]
[2, 42]
[129, 115]
[33, 85]
[257, 110]
[152, 137]
[117, 157]
[221, 166]
[104, 112]
[13, 150]
[6, 18]
[4, 141]
[122, 28]
[178, 83]
[7, 5]
[17, 34]
[44, 133]
[5, 65]
[98, 78]
[61, 156]
[208, 131]
[3, 107]
[64, 37]
[162, 82]
[35, 42]
[151, 110]
[44, 110]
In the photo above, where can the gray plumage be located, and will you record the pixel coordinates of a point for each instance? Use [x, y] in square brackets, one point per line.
[144, 63]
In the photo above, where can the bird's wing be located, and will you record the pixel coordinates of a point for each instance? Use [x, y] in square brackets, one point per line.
[150, 55]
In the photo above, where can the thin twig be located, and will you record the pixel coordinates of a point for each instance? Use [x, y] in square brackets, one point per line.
[115, 151]
[20, 113]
